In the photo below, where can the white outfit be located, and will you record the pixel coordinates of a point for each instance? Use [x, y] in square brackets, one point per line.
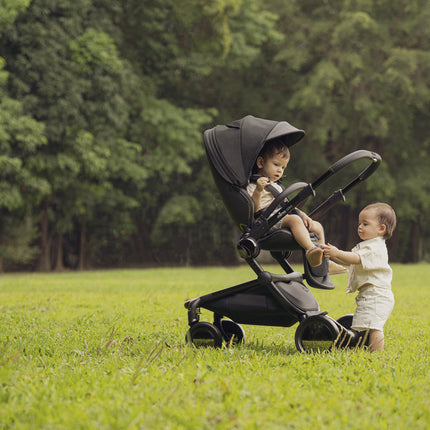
[266, 198]
[372, 278]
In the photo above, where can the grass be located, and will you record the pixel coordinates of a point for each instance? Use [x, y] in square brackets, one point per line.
[105, 350]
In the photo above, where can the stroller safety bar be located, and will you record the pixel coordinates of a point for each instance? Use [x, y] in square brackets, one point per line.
[339, 195]
[268, 219]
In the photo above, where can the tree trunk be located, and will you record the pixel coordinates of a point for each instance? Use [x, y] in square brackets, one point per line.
[44, 263]
[82, 245]
[59, 265]
[415, 241]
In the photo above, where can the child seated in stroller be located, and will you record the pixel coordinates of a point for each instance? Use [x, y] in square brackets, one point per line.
[268, 170]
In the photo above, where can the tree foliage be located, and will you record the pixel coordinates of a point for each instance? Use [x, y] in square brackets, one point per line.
[103, 104]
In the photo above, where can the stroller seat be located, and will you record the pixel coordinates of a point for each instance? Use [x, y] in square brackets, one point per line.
[239, 204]
[241, 208]
[270, 299]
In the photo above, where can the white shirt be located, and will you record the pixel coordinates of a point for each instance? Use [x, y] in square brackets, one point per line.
[374, 268]
[266, 196]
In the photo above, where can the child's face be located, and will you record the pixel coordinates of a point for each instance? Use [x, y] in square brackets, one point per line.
[272, 167]
[369, 226]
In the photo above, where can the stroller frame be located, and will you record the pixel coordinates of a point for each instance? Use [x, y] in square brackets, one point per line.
[271, 299]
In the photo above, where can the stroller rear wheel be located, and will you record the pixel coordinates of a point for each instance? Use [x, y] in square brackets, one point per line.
[204, 334]
[233, 333]
[316, 334]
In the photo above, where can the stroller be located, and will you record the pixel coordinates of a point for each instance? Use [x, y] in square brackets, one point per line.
[270, 299]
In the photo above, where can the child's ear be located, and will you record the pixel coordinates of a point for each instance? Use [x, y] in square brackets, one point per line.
[260, 162]
[382, 229]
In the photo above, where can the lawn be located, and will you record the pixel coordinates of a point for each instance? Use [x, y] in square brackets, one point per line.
[105, 350]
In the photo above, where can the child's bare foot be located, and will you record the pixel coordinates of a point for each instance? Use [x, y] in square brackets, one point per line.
[314, 256]
[335, 269]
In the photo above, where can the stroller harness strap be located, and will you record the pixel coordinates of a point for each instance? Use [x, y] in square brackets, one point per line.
[274, 191]
[270, 188]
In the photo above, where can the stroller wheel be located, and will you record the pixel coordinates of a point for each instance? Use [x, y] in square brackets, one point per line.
[233, 333]
[316, 334]
[345, 320]
[204, 334]
[362, 336]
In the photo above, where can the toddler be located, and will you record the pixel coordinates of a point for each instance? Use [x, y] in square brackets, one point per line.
[370, 273]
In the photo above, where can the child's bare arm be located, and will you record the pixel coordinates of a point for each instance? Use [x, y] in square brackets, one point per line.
[339, 256]
[256, 195]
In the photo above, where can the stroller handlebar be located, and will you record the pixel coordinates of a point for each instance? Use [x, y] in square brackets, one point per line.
[348, 159]
[339, 195]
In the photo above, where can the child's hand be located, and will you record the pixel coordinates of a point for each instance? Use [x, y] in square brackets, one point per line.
[339, 256]
[262, 183]
[330, 251]
[307, 221]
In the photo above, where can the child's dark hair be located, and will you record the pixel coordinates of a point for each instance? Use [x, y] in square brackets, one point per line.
[386, 216]
[272, 148]
[275, 147]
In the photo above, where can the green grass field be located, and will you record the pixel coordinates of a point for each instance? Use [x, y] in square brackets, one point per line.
[105, 350]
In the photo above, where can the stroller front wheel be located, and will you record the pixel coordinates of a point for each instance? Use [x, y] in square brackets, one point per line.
[204, 334]
[362, 336]
[317, 333]
[345, 320]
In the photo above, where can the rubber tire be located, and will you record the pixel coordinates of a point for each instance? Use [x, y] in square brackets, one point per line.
[204, 334]
[316, 334]
[229, 328]
[346, 321]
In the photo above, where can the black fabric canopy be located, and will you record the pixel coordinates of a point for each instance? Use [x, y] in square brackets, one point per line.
[233, 148]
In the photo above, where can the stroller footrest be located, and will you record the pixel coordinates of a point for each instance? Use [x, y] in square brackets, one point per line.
[267, 277]
[294, 276]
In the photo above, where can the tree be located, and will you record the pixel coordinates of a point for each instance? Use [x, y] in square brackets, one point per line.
[76, 86]
[93, 105]
[21, 185]
[361, 81]
[176, 46]
[104, 104]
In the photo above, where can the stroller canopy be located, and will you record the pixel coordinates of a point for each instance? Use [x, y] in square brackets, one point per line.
[232, 149]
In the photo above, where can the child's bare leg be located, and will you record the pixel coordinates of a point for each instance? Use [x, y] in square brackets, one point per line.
[301, 234]
[376, 340]
[333, 268]
[319, 230]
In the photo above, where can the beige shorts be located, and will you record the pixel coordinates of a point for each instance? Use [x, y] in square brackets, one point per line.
[374, 306]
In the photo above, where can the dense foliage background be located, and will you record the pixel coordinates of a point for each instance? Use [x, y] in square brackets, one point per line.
[103, 104]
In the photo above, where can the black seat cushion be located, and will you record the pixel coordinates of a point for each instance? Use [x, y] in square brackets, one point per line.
[279, 240]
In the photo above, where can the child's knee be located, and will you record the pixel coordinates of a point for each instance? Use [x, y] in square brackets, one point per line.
[318, 226]
[291, 220]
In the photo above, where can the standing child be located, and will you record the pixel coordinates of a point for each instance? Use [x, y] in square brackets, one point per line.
[370, 273]
[270, 166]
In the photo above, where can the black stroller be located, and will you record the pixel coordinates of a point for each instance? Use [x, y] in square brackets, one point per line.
[270, 299]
